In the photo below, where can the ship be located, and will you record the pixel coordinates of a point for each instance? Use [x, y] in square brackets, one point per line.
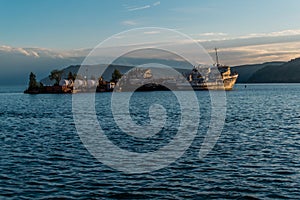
[216, 77]
[201, 77]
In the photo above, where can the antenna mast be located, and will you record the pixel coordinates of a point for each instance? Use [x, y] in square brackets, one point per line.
[217, 58]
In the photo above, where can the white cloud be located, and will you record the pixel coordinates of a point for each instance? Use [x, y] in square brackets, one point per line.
[225, 40]
[35, 54]
[136, 8]
[289, 32]
[220, 36]
[212, 34]
[129, 23]
[139, 8]
[5, 48]
[259, 53]
[31, 52]
[23, 51]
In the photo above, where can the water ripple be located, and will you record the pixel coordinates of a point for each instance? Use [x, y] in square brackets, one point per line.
[256, 157]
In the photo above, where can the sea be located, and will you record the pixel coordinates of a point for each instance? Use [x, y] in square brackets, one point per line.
[255, 156]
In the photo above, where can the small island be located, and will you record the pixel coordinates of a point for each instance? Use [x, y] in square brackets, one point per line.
[72, 84]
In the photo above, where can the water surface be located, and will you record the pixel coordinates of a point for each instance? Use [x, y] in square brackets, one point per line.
[256, 156]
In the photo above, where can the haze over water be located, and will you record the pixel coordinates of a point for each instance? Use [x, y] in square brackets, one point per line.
[256, 156]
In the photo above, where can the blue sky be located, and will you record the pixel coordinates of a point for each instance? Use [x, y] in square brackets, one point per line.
[82, 24]
[42, 35]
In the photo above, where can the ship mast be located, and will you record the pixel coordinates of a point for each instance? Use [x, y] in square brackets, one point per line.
[217, 58]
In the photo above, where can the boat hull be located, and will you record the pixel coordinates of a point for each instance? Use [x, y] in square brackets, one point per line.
[226, 84]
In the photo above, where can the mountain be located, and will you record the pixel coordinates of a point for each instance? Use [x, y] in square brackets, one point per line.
[247, 71]
[270, 72]
[93, 70]
[124, 64]
[288, 72]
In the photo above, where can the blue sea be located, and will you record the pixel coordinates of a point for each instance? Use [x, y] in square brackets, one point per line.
[257, 155]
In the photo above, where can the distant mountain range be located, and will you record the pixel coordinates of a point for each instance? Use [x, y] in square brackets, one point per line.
[75, 68]
[92, 71]
[269, 72]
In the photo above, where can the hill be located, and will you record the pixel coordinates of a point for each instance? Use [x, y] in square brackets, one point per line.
[247, 71]
[91, 70]
[269, 72]
[123, 64]
[288, 72]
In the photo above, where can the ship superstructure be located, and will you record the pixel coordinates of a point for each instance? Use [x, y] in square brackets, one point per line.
[216, 77]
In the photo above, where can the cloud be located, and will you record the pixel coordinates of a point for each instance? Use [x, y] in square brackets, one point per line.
[252, 38]
[5, 48]
[23, 51]
[259, 53]
[289, 32]
[136, 8]
[18, 50]
[245, 49]
[253, 48]
[139, 8]
[222, 40]
[129, 23]
[35, 54]
[212, 34]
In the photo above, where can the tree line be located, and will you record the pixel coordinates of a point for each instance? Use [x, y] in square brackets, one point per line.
[56, 75]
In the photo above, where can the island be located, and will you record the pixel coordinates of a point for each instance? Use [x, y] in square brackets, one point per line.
[216, 77]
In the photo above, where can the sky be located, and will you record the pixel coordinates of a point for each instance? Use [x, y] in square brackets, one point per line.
[248, 31]
[83, 24]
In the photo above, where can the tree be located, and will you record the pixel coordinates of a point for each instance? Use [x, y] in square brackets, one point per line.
[32, 82]
[101, 82]
[71, 76]
[116, 75]
[100, 79]
[56, 75]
